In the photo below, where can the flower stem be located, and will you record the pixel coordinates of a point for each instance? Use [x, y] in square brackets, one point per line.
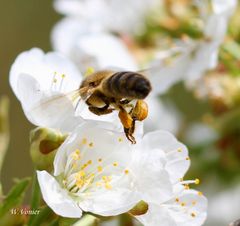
[35, 199]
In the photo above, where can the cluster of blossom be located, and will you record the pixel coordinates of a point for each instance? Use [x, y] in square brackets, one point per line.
[96, 169]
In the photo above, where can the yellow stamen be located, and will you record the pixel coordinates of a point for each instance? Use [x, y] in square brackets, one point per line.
[84, 141]
[120, 139]
[115, 164]
[108, 186]
[197, 181]
[179, 150]
[99, 168]
[193, 214]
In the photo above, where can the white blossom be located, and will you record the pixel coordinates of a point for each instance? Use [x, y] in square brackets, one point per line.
[91, 174]
[157, 154]
[190, 59]
[187, 208]
[97, 170]
[36, 77]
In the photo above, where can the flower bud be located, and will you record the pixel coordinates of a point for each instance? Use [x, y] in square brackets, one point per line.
[44, 143]
[140, 209]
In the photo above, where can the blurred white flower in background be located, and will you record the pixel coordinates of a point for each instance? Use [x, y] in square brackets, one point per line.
[108, 15]
[163, 116]
[89, 48]
[204, 53]
[224, 207]
[200, 133]
[190, 59]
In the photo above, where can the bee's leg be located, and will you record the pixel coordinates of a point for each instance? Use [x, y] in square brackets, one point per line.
[128, 124]
[101, 111]
[129, 135]
[124, 101]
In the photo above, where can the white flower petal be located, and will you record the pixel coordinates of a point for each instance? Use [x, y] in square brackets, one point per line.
[56, 197]
[58, 114]
[105, 143]
[177, 162]
[103, 154]
[156, 215]
[32, 79]
[120, 199]
[43, 67]
[187, 209]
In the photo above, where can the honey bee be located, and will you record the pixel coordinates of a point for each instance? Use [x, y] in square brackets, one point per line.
[106, 91]
[115, 91]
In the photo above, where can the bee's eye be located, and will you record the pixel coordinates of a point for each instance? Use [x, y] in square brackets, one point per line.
[91, 83]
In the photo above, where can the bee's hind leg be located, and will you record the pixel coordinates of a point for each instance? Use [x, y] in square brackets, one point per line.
[129, 134]
[101, 111]
[128, 123]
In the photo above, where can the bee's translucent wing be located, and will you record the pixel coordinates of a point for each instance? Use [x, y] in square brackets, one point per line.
[166, 71]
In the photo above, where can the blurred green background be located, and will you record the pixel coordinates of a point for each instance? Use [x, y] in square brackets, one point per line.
[23, 24]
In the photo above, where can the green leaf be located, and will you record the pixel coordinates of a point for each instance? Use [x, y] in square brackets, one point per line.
[36, 197]
[44, 214]
[15, 196]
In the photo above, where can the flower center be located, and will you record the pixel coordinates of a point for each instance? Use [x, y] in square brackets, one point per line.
[84, 175]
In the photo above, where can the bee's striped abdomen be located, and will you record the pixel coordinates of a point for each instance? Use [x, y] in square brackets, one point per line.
[127, 85]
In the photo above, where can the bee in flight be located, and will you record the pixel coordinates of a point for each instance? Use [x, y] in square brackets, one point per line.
[106, 91]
